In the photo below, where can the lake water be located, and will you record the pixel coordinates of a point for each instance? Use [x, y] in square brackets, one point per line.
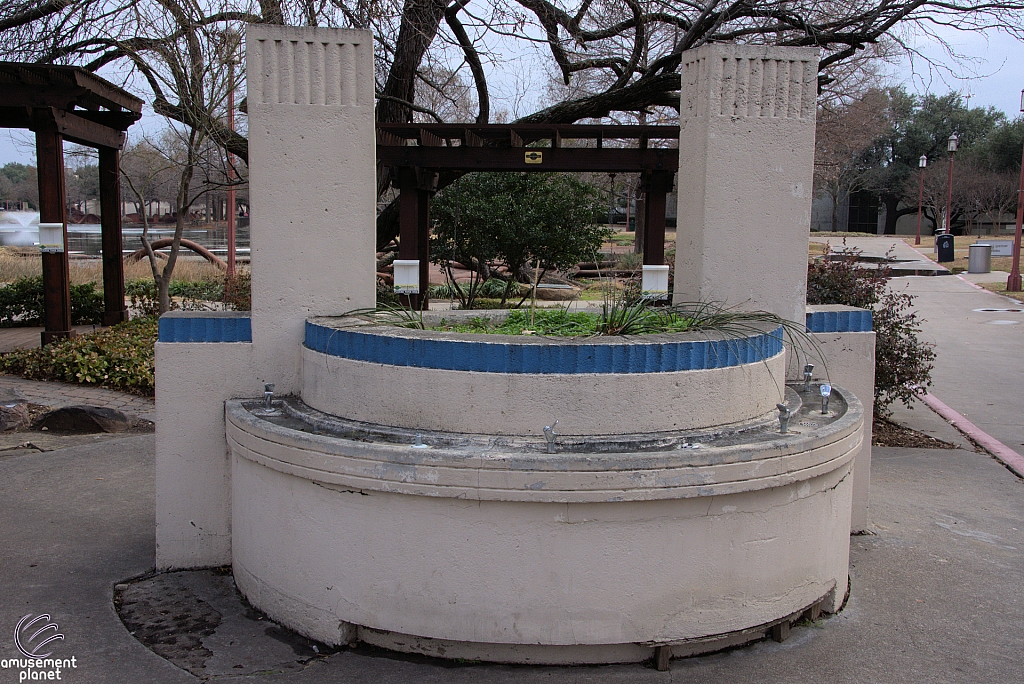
[21, 229]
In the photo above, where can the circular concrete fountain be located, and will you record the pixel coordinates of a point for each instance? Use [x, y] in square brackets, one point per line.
[411, 499]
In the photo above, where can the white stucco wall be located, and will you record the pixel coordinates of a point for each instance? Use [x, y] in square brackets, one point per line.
[193, 468]
[523, 403]
[746, 161]
[849, 361]
[312, 178]
[416, 550]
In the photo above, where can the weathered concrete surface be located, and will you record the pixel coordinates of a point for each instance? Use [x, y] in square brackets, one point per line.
[935, 593]
[74, 522]
[746, 142]
[849, 361]
[523, 403]
[193, 470]
[312, 161]
[481, 549]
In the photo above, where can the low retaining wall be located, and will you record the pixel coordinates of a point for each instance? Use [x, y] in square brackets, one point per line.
[499, 554]
[515, 385]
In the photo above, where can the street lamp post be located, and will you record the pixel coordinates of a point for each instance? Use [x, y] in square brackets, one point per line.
[1013, 283]
[953, 143]
[921, 164]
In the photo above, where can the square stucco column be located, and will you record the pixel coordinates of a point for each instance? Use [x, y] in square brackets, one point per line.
[312, 184]
[202, 359]
[845, 356]
[746, 167]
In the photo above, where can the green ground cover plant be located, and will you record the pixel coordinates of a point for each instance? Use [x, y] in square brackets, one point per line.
[119, 357]
[616, 317]
[21, 303]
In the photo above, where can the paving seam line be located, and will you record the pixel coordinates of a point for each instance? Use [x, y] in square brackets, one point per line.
[1002, 453]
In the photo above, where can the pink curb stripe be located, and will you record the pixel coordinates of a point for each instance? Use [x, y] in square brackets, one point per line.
[1007, 456]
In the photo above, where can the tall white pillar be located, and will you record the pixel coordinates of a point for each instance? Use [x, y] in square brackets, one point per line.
[746, 170]
[312, 185]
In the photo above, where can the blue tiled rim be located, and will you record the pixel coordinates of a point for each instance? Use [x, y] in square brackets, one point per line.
[225, 326]
[847, 320]
[542, 358]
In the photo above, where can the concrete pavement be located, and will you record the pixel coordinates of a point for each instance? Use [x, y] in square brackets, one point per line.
[978, 369]
[56, 394]
[934, 596]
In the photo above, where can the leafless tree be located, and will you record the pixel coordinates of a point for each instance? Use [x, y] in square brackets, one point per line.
[615, 57]
[845, 131]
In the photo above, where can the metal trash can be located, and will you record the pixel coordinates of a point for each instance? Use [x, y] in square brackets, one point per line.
[944, 245]
[979, 258]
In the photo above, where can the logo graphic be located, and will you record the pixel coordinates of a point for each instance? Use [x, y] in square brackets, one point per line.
[45, 632]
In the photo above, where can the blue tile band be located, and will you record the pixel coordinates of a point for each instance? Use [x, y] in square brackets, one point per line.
[849, 320]
[198, 327]
[542, 357]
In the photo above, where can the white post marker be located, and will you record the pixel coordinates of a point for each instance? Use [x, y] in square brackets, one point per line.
[51, 238]
[655, 282]
[407, 276]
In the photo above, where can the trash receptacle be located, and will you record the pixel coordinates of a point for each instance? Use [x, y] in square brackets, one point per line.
[944, 244]
[979, 258]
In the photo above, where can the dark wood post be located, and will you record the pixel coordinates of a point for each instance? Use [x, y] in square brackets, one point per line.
[656, 186]
[56, 277]
[114, 310]
[414, 228]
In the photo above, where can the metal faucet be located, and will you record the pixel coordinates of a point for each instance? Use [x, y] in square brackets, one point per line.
[268, 396]
[784, 414]
[550, 435]
[826, 391]
[808, 369]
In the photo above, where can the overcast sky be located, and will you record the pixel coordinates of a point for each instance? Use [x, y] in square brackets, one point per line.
[993, 75]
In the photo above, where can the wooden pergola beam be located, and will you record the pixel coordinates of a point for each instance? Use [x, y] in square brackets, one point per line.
[69, 103]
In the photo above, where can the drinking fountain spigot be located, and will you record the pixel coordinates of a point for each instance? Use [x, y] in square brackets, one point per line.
[550, 435]
[826, 391]
[808, 369]
[784, 414]
[268, 396]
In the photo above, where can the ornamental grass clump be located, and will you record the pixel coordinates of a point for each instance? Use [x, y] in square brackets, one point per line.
[120, 357]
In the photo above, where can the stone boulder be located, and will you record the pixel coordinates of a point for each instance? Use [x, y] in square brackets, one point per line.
[84, 420]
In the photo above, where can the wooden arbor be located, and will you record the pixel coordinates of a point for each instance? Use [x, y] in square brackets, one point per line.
[419, 151]
[62, 103]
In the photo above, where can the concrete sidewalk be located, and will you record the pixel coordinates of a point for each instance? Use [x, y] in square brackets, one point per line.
[56, 394]
[935, 594]
[978, 338]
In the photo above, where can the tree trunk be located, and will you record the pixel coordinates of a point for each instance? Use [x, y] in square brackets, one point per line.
[891, 215]
[163, 292]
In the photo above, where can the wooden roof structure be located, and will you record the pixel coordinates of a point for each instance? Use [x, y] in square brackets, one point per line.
[504, 147]
[61, 103]
[418, 152]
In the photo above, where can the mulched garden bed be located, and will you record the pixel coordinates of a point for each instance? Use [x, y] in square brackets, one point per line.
[889, 434]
